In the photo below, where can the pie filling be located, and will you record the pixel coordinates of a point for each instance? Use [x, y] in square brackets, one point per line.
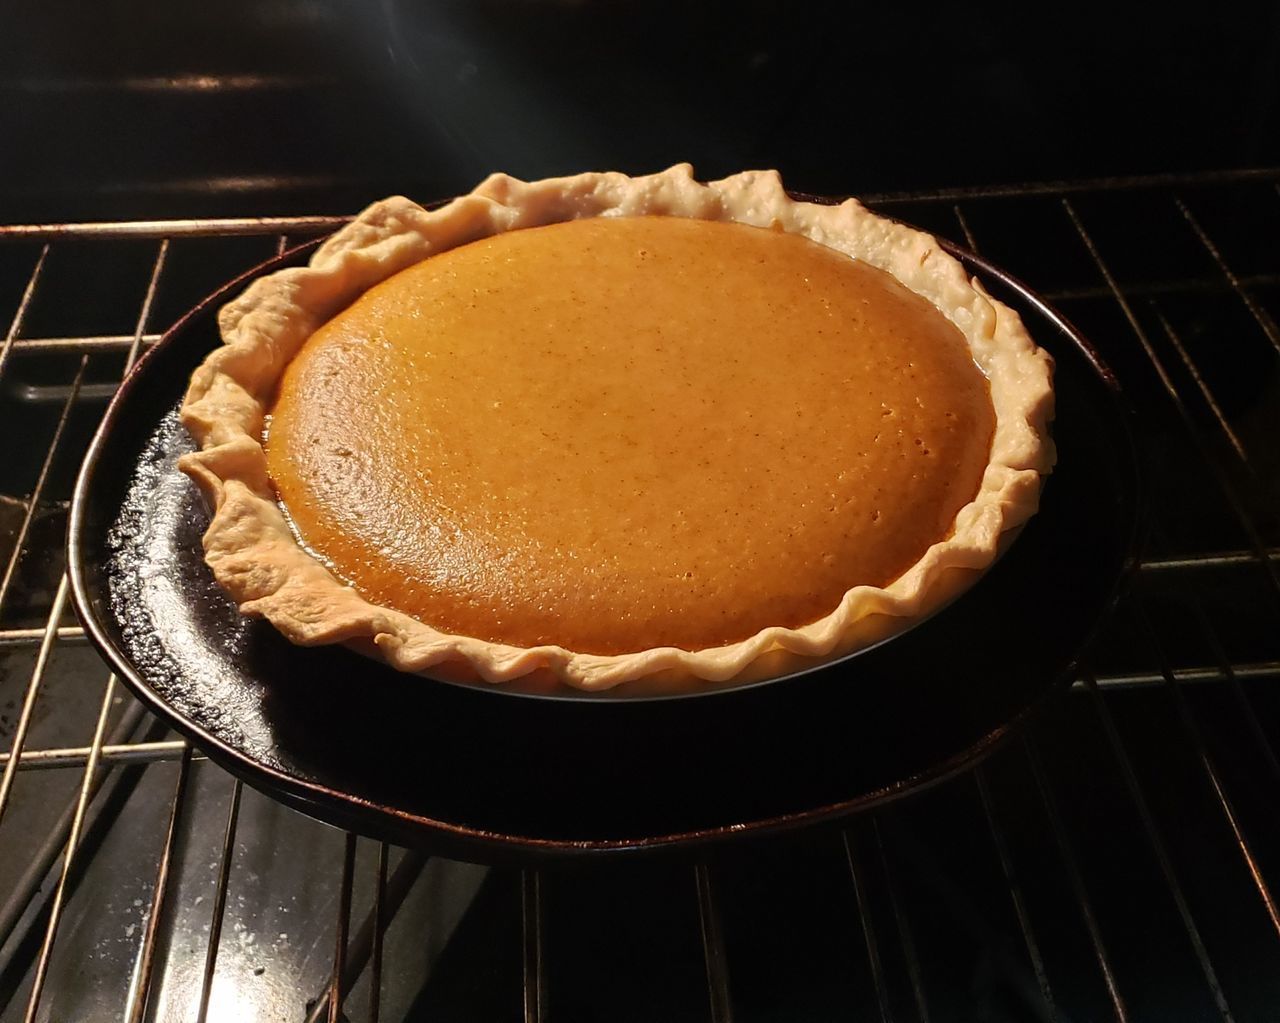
[614, 434]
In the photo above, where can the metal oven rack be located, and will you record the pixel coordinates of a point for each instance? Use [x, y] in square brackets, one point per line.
[1114, 863]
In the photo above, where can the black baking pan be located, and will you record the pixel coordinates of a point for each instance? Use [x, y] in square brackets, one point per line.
[489, 775]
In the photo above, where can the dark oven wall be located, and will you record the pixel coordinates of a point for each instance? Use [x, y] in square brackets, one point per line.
[139, 109]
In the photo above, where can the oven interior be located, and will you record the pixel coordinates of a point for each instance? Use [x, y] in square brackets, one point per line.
[1115, 861]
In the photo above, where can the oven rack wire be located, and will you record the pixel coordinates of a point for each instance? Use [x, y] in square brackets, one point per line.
[1238, 472]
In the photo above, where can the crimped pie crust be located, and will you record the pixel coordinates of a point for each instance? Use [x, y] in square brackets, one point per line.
[257, 559]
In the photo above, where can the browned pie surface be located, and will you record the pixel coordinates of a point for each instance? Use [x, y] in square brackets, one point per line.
[615, 434]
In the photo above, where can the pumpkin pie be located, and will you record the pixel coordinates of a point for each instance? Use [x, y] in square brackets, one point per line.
[599, 430]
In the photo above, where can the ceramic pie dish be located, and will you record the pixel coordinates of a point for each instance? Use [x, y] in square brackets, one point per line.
[500, 440]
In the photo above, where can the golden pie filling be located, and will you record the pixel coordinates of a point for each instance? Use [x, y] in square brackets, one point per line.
[614, 434]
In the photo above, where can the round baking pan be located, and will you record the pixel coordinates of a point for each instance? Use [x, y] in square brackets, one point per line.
[487, 775]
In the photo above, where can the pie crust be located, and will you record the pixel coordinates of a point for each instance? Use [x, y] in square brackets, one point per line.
[257, 559]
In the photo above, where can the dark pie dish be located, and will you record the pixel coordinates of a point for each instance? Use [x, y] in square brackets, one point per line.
[486, 775]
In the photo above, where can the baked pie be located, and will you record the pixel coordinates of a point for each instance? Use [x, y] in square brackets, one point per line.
[599, 430]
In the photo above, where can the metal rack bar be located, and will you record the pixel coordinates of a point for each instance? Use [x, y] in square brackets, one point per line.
[713, 954]
[24, 303]
[1159, 849]
[1072, 864]
[1198, 673]
[868, 928]
[33, 499]
[219, 903]
[904, 928]
[49, 394]
[21, 637]
[337, 990]
[1259, 314]
[201, 227]
[1015, 892]
[73, 842]
[144, 314]
[77, 345]
[29, 699]
[140, 989]
[1223, 423]
[121, 753]
[963, 221]
[533, 969]
[1221, 559]
[1052, 189]
[379, 932]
